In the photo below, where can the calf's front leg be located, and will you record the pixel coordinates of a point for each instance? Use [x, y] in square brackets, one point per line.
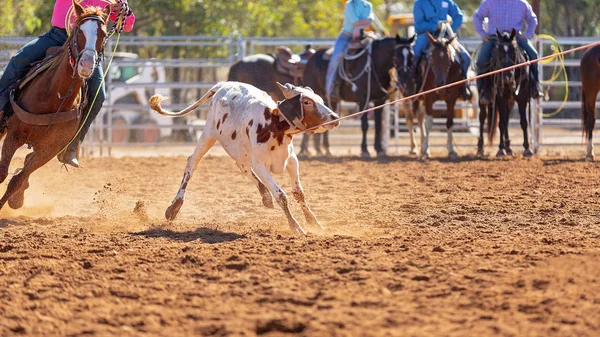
[262, 172]
[293, 169]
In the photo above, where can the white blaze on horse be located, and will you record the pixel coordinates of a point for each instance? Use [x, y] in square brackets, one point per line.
[257, 133]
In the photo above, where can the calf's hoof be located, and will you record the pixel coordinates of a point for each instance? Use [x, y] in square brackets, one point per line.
[296, 228]
[173, 210]
[268, 201]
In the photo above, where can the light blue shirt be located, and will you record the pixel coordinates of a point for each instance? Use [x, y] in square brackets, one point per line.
[355, 11]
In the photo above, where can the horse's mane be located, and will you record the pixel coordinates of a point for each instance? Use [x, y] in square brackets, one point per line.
[87, 12]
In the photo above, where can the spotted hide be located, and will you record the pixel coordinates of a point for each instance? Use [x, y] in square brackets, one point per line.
[257, 133]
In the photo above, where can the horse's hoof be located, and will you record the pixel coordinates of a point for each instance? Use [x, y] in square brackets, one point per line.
[328, 153]
[453, 156]
[173, 210]
[303, 154]
[425, 156]
[319, 152]
[16, 201]
[509, 152]
[365, 154]
[590, 157]
[528, 153]
[501, 153]
[412, 152]
[480, 152]
[381, 154]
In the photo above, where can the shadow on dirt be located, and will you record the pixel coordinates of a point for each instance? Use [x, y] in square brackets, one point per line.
[206, 235]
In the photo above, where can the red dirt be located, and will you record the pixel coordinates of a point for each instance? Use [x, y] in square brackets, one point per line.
[475, 248]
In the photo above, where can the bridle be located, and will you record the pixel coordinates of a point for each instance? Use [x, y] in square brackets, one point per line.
[506, 61]
[407, 67]
[74, 61]
[441, 43]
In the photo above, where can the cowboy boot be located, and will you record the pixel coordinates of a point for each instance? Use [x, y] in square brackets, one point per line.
[536, 90]
[70, 154]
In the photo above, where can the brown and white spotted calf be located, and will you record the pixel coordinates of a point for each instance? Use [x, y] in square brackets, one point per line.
[257, 133]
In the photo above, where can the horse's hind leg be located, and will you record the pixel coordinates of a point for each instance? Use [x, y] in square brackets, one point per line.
[378, 127]
[204, 144]
[364, 125]
[524, 126]
[325, 138]
[304, 145]
[449, 129]
[317, 143]
[411, 128]
[482, 117]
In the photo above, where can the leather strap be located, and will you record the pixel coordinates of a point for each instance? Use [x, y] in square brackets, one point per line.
[43, 119]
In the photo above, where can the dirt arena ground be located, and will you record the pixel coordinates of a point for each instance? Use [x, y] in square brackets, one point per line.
[475, 248]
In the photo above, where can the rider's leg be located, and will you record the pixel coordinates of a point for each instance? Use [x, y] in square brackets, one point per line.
[465, 62]
[31, 52]
[419, 48]
[341, 43]
[526, 45]
[90, 112]
[483, 59]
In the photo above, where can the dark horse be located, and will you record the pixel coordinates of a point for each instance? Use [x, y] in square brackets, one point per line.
[439, 67]
[46, 108]
[404, 57]
[370, 86]
[505, 88]
[590, 85]
[265, 70]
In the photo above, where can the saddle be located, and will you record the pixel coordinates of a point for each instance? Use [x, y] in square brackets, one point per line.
[364, 41]
[38, 119]
[290, 64]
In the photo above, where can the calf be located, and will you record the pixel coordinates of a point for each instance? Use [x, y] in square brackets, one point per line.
[257, 133]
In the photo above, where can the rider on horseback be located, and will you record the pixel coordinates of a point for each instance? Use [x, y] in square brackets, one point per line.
[504, 15]
[358, 15]
[57, 35]
[429, 16]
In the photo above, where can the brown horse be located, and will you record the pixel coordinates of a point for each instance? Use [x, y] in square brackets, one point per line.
[590, 85]
[46, 108]
[439, 67]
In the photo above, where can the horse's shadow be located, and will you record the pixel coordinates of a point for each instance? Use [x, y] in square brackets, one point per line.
[204, 234]
[395, 158]
[562, 161]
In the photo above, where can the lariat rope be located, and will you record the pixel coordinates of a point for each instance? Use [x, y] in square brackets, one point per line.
[461, 82]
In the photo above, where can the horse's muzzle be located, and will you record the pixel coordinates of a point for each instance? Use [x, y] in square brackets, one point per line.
[86, 65]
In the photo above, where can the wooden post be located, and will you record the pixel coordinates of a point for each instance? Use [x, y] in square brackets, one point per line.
[537, 119]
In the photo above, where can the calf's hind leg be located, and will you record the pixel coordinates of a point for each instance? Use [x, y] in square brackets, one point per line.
[264, 193]
[298, 193]
[263, 173]
[204, 144]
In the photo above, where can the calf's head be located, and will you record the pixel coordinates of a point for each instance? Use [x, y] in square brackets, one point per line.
[304, 109]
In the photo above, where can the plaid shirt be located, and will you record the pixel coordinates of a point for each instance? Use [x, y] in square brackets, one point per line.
[505, 15]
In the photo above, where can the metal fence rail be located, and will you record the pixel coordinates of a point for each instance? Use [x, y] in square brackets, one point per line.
[229, 49]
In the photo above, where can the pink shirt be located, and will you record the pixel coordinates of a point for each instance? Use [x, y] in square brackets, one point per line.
[62, 8]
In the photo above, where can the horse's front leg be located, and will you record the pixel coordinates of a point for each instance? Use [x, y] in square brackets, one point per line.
[524, 126]
[411, 128]
[482, 117]
[450, 125]
[378, 128]
[10, 146]
[364, 125]
[503, 128]
[304, 145]
[428, 124]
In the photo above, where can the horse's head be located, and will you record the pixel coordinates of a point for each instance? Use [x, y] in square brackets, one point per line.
[305, 109]
[404, 56]
[506, 54]
[440, 57]
[87, 39]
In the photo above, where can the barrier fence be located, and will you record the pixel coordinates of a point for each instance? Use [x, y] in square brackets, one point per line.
[189, 65]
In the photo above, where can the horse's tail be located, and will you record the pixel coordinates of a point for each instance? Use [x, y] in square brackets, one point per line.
[587, 116]
[156, 99]
[493, 119]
